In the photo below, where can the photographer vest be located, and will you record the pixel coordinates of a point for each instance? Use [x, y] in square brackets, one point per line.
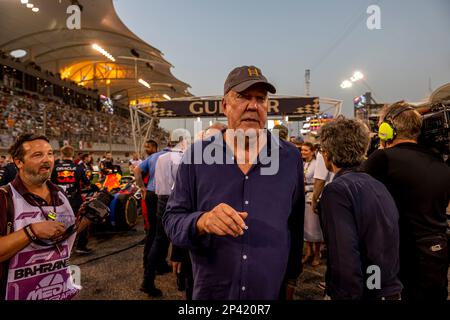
[37, 272]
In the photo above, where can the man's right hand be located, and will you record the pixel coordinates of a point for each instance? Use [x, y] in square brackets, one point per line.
[48, 229]
[223, 220]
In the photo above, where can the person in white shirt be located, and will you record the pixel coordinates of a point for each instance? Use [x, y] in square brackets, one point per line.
[165, 174]
[134, 161]
[321, 178]
[312, 231]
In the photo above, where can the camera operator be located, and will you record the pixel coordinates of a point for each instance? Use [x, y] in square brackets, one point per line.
[37, 228]
[107, 165]
[71, 178]
[419, 182]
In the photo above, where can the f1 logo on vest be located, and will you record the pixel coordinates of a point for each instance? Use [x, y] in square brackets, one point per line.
[253, 72]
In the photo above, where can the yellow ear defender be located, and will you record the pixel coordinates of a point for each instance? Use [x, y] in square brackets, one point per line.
[387, 131]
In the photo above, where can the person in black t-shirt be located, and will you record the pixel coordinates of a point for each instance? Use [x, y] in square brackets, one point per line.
[71, 178]
[107, 165]
[86, 163]
[419, 182]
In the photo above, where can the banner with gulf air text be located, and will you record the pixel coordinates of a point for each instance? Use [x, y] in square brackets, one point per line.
[297, 106]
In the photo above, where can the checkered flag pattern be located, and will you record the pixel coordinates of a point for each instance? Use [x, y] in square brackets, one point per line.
[308, 109]
[160, 112]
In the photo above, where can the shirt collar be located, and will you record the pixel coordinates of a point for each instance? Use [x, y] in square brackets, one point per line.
[273, 143]
[17, 183]
[218, 140]
[347, 170]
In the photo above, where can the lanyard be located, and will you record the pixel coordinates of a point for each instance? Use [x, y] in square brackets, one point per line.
[51, 215]
[306, 167]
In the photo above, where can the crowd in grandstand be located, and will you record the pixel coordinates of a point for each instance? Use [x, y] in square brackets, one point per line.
[22, 114]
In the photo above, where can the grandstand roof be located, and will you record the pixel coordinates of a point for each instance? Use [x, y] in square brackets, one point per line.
[54, 47]
[440, 94]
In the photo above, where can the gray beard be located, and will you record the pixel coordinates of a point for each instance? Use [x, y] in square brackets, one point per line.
[35, 178]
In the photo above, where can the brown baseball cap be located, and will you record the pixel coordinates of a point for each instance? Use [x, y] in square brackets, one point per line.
[242, 78]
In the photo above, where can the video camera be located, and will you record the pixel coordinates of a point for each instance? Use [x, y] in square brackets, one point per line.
[97, 208]
[436, 128]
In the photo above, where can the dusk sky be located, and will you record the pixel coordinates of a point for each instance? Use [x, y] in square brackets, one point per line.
[205, 39]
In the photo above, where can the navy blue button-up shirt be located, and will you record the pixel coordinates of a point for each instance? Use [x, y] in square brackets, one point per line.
[254, 265]
[360, 226]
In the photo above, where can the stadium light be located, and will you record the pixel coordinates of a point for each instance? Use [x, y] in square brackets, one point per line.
[19, 53]
[346, 84]
[144, 83]
[103, 52]
[30, 5]
[356, 76]
[23, 1]
[35, 9]
[167, 97]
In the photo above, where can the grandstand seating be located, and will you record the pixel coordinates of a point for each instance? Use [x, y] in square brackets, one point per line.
[22, 113]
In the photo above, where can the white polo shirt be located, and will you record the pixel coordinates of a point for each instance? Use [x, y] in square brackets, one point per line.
[166, 171]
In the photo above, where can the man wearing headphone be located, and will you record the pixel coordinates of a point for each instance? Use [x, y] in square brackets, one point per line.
[419, 182]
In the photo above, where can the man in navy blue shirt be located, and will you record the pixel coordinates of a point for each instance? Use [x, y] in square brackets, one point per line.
[359, 220]
[239, 207]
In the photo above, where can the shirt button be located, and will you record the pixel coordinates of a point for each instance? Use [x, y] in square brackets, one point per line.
[244, 257]
[246, 202]
[243, 288]
[246, 177]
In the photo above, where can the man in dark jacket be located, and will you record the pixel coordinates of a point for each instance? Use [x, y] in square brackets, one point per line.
[360, 220]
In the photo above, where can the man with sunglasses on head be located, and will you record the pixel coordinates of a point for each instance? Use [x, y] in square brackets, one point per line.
[419, 182]
[37, 228]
